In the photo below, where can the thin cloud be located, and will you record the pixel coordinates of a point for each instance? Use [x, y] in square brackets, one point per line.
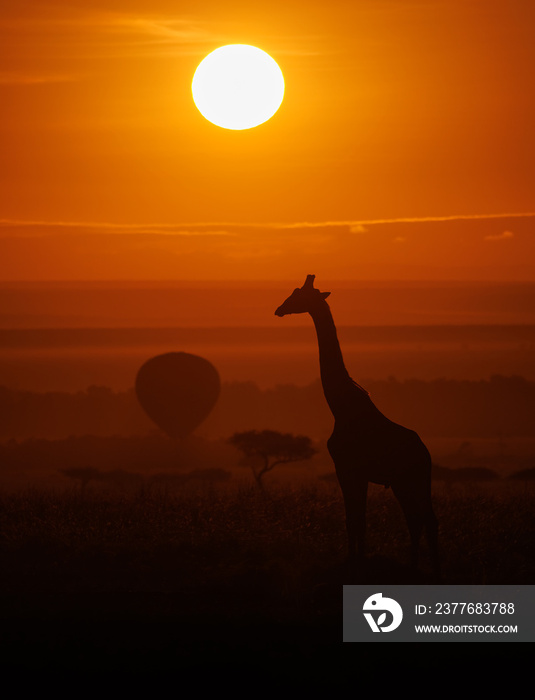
[401, 220]
[33, 79]
[230, 228]
[113, 34]
[506, 235]
[32, 228]
[176, 35]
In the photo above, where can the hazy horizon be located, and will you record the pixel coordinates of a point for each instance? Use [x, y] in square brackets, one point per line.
[120, 304]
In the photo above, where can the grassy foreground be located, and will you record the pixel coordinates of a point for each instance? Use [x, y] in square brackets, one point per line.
[158, 578]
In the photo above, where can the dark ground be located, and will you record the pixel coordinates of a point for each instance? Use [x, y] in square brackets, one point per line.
[225, 582]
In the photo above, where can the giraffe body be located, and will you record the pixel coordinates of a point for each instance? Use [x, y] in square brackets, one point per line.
[365, 445]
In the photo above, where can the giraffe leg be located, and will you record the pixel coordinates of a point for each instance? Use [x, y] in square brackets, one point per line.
[418, 510]
[355, 492]
[431, 528]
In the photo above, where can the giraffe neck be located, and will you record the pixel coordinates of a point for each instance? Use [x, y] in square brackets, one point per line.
[335, 378]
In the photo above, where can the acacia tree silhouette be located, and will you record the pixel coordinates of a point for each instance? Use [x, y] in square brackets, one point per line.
[265, 449]
[365, 445]
[82, 474]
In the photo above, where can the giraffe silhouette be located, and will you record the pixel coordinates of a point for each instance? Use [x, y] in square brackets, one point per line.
[365, 445]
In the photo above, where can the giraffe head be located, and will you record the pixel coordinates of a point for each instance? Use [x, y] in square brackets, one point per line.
[303, 299]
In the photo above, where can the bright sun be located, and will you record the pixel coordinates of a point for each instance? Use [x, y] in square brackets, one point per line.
[238, 87]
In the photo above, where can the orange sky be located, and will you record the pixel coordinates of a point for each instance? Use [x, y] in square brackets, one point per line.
[399, 118]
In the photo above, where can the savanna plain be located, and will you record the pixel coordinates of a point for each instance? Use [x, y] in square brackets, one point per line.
[123, 548]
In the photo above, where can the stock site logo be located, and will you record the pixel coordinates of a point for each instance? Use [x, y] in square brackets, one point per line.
[376, 603]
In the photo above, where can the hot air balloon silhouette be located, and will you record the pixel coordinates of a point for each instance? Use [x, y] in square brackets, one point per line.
[177, 391]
